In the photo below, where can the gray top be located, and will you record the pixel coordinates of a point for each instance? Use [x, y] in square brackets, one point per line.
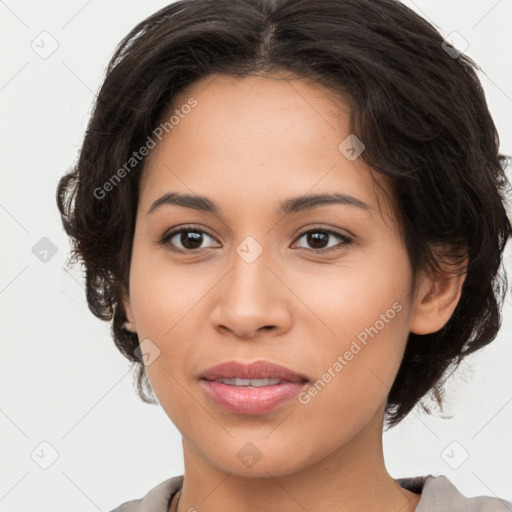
[438, 494]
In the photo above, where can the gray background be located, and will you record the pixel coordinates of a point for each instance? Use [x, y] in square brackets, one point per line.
[62, 380]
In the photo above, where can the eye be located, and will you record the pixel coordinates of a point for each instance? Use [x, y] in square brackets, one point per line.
[318, 237]
[190, 238]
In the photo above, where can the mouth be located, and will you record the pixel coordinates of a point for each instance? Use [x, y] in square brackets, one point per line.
[241, 372]
[251, 388]
[251, 383]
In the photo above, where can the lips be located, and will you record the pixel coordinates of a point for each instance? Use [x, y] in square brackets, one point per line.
[251, 388]
[252, 371]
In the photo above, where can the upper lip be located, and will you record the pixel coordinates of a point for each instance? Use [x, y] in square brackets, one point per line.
[254, 370]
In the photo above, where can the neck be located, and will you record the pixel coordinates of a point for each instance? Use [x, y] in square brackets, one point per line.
[354, 474]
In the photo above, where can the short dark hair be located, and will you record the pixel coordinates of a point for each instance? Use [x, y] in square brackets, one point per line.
[416, 103]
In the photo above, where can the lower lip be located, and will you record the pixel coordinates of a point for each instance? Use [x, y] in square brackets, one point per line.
[247, 400]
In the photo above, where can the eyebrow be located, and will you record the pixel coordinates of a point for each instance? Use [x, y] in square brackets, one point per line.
[290, 205]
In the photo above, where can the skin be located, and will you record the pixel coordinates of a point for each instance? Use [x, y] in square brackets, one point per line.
[249, 144]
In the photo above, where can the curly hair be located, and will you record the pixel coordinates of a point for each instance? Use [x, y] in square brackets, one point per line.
[414, 100]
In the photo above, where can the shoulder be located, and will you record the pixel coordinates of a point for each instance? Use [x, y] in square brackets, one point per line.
[439, 494]
[156, 500]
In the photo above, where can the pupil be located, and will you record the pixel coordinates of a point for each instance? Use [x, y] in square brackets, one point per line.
[193, 236]
[313, 239]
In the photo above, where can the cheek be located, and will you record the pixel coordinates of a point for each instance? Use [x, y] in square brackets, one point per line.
[162, 293]
[359, 322]
[166, 304]
[346, 299]
[354, 370]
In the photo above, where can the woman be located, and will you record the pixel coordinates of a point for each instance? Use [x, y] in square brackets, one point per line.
[293, 214]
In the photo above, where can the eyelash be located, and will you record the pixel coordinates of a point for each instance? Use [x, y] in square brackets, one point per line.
[165, 239]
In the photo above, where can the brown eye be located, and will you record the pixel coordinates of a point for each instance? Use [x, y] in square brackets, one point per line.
[318, 239]
[185, 239]
[190, 239]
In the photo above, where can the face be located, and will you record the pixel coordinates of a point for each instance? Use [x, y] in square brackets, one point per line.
[323, 290]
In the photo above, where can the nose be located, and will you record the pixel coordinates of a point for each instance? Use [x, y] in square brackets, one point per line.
[253, 300]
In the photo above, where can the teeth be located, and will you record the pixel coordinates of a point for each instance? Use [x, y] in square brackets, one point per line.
[256, 383]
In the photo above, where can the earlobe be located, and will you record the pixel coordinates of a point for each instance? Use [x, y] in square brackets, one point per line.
[435, 302]
[129, 325]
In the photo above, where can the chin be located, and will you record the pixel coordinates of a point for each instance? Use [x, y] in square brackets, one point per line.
[261, 459]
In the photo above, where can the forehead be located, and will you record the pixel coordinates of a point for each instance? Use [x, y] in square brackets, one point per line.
[256, 137]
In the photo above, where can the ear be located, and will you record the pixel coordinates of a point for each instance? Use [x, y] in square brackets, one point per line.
[129, 325]
[436, 298]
